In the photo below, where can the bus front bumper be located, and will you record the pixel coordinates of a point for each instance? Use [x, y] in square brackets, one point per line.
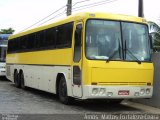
[116, 92]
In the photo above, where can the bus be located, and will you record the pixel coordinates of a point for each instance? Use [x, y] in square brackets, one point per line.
[84, 56]
[3, 50]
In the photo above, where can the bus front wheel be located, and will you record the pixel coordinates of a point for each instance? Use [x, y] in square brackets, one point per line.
[62, 92]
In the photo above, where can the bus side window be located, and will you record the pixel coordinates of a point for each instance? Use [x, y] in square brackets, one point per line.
[31, 42]
[77, 44]
[42, 39]
[64, 35]
[50, 38]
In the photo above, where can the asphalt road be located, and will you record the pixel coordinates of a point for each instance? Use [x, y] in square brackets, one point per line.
[31, 102]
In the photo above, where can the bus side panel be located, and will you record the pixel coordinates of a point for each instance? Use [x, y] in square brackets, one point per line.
[45, 57]
[43, 77]
[40, 68]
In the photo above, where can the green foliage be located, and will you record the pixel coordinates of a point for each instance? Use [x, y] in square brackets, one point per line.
[7, 31]
[154, 31]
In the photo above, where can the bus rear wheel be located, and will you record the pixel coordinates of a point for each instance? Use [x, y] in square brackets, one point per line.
[16, 79]
[62, 92]
[22, 80]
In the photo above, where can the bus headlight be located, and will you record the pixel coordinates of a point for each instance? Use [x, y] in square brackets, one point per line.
[148, 90]
[109, 94]
[142, 91]
[102, 91]
[136, 94]
[95, 91]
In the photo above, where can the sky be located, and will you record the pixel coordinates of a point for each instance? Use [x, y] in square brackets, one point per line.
[21, 14]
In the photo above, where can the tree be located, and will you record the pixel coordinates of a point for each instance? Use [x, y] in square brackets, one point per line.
[154, 31]
[7, 31]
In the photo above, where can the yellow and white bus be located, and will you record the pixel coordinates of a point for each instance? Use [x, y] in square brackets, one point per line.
[85, 56]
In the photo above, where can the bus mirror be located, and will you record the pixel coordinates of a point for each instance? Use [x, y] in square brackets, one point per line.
[78, 34]
[78, 41]
[78, 29]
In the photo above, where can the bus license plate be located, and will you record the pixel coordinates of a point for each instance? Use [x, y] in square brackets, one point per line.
[123, 92]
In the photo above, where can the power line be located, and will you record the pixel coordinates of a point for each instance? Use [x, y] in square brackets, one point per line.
[60, 14]
[88, 6]
[75, 9]
[79, 2]
[43, 18]
[95, 4]
[51, 15]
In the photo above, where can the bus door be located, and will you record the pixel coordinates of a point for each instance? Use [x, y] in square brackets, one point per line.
[77, 61]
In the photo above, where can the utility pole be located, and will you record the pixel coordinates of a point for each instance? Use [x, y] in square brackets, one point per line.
[140, 9]
[69, 7]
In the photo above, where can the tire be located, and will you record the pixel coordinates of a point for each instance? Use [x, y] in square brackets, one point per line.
[22, 81]
[16, 79]
[15, 76]
[62, 92]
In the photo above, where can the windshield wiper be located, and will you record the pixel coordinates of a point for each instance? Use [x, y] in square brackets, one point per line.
[114, 53]
[126, 49]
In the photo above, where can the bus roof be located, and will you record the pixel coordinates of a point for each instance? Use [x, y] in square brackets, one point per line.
[83, 16]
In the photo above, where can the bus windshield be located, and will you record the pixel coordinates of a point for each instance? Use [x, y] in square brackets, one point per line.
[114, 40]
